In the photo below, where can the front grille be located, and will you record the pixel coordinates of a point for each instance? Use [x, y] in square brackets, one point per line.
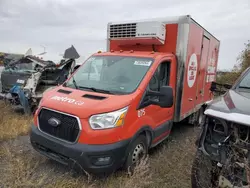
[68, 128]
[122, 30]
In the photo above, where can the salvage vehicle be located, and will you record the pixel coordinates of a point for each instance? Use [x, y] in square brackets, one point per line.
[6, 58]
[222, 158]
[24, 81]
[154, 73]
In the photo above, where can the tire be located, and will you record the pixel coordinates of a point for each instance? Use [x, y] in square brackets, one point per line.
[137, 152]
[203, 173]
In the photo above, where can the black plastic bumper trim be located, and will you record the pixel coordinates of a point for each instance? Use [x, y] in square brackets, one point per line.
[78, 154]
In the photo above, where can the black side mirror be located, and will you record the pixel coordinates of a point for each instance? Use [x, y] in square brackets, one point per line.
[166, 98]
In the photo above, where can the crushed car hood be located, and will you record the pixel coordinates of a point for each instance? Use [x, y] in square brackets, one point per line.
[232, 106]
[83, 103]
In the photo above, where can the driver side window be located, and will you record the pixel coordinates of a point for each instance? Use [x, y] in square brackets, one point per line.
[160, 77]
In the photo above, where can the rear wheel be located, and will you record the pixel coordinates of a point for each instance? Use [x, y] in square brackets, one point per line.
[137, 152]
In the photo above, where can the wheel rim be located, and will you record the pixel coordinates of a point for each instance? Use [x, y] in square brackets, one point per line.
[138, 153]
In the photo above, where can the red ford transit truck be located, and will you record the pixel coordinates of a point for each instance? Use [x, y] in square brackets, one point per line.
[154, 73]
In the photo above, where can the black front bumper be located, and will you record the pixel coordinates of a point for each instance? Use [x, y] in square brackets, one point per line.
[94, 159]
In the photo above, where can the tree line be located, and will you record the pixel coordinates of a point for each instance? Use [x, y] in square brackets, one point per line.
[243, 62]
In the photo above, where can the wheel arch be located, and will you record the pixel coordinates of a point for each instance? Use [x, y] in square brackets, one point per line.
[146, 131]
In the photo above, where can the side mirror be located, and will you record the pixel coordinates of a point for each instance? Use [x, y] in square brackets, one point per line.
[166, 98]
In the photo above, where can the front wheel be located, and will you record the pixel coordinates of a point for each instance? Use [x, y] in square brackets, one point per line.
[137, 152]
[204, 172]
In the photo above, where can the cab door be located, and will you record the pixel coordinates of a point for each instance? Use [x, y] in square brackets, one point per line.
[162, 117]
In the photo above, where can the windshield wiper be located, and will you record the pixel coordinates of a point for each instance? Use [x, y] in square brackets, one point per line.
[96, 90]
[74, 82]
[28, 71]
[244, 87]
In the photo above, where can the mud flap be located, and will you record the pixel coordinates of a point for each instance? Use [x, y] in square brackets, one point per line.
[23, 99]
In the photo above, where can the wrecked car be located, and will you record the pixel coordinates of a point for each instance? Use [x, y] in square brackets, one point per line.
[222, 158]
[24, 81]
[5, 59]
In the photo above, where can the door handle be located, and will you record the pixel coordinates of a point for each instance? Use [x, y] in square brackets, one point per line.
[190, 99]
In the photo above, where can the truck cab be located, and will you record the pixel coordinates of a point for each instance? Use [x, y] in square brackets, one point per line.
[148, 79]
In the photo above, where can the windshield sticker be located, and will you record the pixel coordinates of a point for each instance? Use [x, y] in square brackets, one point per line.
[68, 100]
[91, 59]
[143, 63]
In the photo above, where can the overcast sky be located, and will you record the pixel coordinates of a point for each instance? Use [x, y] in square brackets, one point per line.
[57, 24]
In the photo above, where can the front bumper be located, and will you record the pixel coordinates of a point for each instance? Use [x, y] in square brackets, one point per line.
[91, 158]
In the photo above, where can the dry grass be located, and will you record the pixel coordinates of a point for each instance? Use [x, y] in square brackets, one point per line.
[169, 165]
[11, 123]
[28, 171]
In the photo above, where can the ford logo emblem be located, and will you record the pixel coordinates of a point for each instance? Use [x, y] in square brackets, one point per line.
[54, 122]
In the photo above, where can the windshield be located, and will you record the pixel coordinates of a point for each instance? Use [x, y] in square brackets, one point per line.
[22, 66]
[115, 74]
[245, 82]
[25, 66]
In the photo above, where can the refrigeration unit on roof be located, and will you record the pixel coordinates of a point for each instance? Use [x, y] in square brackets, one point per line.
[148, 32]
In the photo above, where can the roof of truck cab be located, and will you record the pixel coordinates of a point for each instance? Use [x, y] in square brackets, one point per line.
[134, 54]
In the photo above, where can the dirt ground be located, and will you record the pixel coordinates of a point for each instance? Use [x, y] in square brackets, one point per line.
[168, 165]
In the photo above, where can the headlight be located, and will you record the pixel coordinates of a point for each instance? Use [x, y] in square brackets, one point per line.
[108, 120]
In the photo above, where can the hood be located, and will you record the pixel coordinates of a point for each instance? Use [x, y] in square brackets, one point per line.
[83, 103]
[232, 106]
